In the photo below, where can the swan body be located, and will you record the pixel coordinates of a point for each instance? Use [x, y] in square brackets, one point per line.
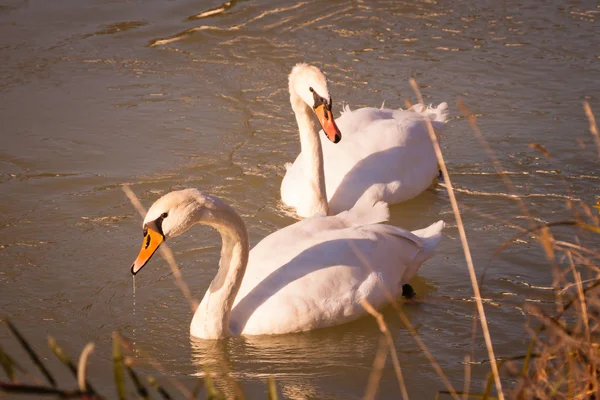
[309, 275]
[384, 154]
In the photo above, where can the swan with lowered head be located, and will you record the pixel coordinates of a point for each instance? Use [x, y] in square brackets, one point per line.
[309, 275]
[384, 154]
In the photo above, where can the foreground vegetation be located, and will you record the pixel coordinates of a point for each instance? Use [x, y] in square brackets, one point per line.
[562, 360]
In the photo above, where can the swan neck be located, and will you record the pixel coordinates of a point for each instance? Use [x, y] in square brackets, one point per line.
[211, 320]
[312, 156]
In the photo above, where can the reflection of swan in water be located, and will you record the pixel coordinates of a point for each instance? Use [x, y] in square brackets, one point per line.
[308, 275]
[214, 357]
[295, 361]
[247, 362]
[326, 363]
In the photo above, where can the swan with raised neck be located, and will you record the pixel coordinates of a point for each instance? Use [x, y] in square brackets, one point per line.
[308, 91]
[386, 154]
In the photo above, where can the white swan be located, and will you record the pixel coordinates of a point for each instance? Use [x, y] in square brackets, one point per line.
[384, 154]
[305, 276]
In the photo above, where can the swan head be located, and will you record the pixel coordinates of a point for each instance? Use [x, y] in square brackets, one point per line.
[308, 86]
[172, 215]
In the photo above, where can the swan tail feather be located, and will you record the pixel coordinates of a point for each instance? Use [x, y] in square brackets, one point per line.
[430, 237]
[379, 212]
[345, 109]
[366, 211]
[438, 115]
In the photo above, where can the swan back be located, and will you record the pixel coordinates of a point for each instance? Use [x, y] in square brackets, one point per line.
[321, 270]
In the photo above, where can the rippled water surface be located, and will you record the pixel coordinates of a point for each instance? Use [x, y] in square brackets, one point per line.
[170, 94]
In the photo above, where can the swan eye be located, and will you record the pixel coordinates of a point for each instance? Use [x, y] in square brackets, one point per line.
[318, 100]
[164, 215]
[311, 89]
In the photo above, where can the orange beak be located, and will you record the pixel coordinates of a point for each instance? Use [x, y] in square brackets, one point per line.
[326, 120]
[152, 240]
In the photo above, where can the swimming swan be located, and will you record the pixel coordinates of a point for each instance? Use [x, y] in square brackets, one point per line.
[309, 275]
[384, 154]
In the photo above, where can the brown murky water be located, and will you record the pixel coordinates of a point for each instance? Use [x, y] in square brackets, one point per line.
[166, 95]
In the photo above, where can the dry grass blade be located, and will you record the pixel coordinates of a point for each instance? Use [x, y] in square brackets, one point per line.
[61, 355]
[593, 125]
[525, 232]
[139, 387]
[489, 384]
[7, 365]
[212, 392]
[118, 367]
[545, 237]
[377, 370]
[584, 314]
[569, 361]
[81, 367]
[12, 366]
[390, 343]
[465, 245]
[528, 356]
[34, 357]
[199, 385]
[468, 395]
[272, 389]
[40, 390]
[126, 343]
[415, 334]
[492, 156]
[590, 228]
[226, 374]
[543, 227]
[467, 376]
[165, 252]
[163, 393]
[66, 360]
[215, 354]
[552, 323]
[574, 299]
[541, 148]
[406, 323]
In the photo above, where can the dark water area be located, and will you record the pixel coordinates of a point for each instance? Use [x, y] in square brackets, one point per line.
[164, 95]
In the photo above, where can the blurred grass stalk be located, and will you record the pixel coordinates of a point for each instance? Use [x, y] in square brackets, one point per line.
[578, 369]
[465, 246]
[566, 361]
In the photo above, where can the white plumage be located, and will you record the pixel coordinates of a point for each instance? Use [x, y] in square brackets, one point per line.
[309, 275]
[384, 154]
[312, 274]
